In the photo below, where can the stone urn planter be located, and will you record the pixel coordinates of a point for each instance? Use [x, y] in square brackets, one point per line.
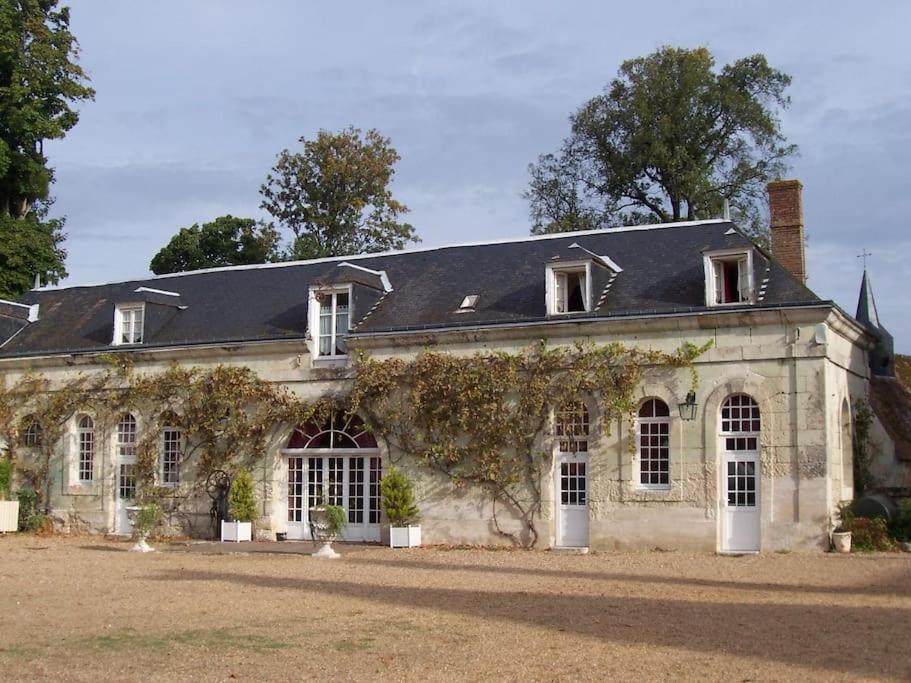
[841, 541]
[143, 518]
[326, 523]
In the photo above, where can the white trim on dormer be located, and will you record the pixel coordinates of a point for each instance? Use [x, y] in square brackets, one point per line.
[709, 258]
[313, 316]
[32, 308]
[156, 291]
[384, 278]
[551, 272]
[119, 310]
[605, 260]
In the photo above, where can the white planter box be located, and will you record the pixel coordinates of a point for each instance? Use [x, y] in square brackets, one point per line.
[9, 515]
[236, 531]
[404, 536]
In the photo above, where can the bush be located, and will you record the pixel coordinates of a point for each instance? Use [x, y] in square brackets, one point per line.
[241, 499]
[398, 498]
[901, 525]
[147, 518]
[336, 518]
[6, 475]
[868, 535]
[29, 517]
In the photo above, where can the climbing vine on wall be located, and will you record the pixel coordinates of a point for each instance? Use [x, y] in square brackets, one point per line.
[479, 419]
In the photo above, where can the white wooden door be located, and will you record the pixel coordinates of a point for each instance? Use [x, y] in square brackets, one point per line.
[741, 509]
[349, 481]
[572, 500]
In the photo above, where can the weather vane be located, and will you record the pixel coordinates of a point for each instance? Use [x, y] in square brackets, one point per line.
[864, 254]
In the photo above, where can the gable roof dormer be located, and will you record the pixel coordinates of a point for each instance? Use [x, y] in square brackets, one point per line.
[577, 280]
[141, 312]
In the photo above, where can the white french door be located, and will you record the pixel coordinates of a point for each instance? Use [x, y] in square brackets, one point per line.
[126, 493]
[572, 500]
[741, 522]
[349, 481]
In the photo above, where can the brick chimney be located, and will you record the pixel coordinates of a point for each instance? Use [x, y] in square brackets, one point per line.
[786, 208]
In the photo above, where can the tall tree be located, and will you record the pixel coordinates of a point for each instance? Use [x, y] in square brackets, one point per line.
[334, 195]
[40, 82]
[669, 139]
[226, 241]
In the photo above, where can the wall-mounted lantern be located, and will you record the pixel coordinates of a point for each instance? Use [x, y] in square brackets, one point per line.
[688, 409]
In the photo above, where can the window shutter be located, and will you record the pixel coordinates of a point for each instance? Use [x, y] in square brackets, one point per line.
[560, 292]
[743, 279]
[719, 281]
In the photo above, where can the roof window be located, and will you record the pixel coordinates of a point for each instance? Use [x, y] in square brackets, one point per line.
[469, 303]
[128, 323]
[729, 277]
[569, 288]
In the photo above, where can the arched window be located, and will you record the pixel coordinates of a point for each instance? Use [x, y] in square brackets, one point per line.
[126, 451]
[31, 432]
[572, 426]
[654, 427]
[86, 449]
[340, 432]
[171, 449]
[740, 423]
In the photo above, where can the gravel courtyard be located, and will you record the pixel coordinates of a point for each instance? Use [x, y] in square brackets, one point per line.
[84, 609]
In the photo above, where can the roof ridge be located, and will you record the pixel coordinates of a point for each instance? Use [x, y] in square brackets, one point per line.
[332, 259]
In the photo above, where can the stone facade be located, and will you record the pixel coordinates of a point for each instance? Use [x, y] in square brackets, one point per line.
[804, 366]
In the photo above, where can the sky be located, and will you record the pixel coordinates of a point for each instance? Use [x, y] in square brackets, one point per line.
[196, 99]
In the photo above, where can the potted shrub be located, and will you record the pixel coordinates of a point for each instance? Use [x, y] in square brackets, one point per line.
[397, 494]
[326, 523]
[841, 535]
[9, 509]
[242, 508]
[144, 519]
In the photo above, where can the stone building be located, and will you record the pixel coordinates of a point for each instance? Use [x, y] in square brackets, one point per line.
[756, 460]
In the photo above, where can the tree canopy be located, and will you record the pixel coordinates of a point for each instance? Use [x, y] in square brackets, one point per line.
[225, 241]
[40, 82]
[334, 195]
[670, 138]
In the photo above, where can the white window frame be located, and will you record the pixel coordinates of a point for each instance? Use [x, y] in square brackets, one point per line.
[710, 258]
[664, 419]
[83, 433]
[180, 453]
[315, 306]
[557, 269]
[120, 310]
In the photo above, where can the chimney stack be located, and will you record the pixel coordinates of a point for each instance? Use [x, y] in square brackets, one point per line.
[786, 208]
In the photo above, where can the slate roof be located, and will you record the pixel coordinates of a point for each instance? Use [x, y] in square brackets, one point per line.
[662, 272]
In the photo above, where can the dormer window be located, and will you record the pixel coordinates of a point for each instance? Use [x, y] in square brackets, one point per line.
[569, 288]
[332, 316]
[729, 277]
[128, 322]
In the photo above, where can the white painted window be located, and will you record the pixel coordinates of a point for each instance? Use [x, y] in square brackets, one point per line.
[171, 454]
[86, 436]
[729, 277]
[126, 451]
[333, 309]
[569, 288]
[128, 324]
[653, 426]
[572, 427]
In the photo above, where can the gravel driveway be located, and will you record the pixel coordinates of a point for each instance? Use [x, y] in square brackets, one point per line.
[84, 609]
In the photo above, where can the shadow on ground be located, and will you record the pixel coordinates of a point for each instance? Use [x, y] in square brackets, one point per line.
[862, 641]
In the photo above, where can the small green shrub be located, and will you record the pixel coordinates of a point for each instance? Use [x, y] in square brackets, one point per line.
[336, 518]
[241, 498]
[397, 492]
[901, 525]
[845, 515]
[147, 518]
[6, 475]
[868, 535]
[30, 519]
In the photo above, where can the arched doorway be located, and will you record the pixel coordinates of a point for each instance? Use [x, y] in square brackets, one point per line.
[740, 474]
[336, 463]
